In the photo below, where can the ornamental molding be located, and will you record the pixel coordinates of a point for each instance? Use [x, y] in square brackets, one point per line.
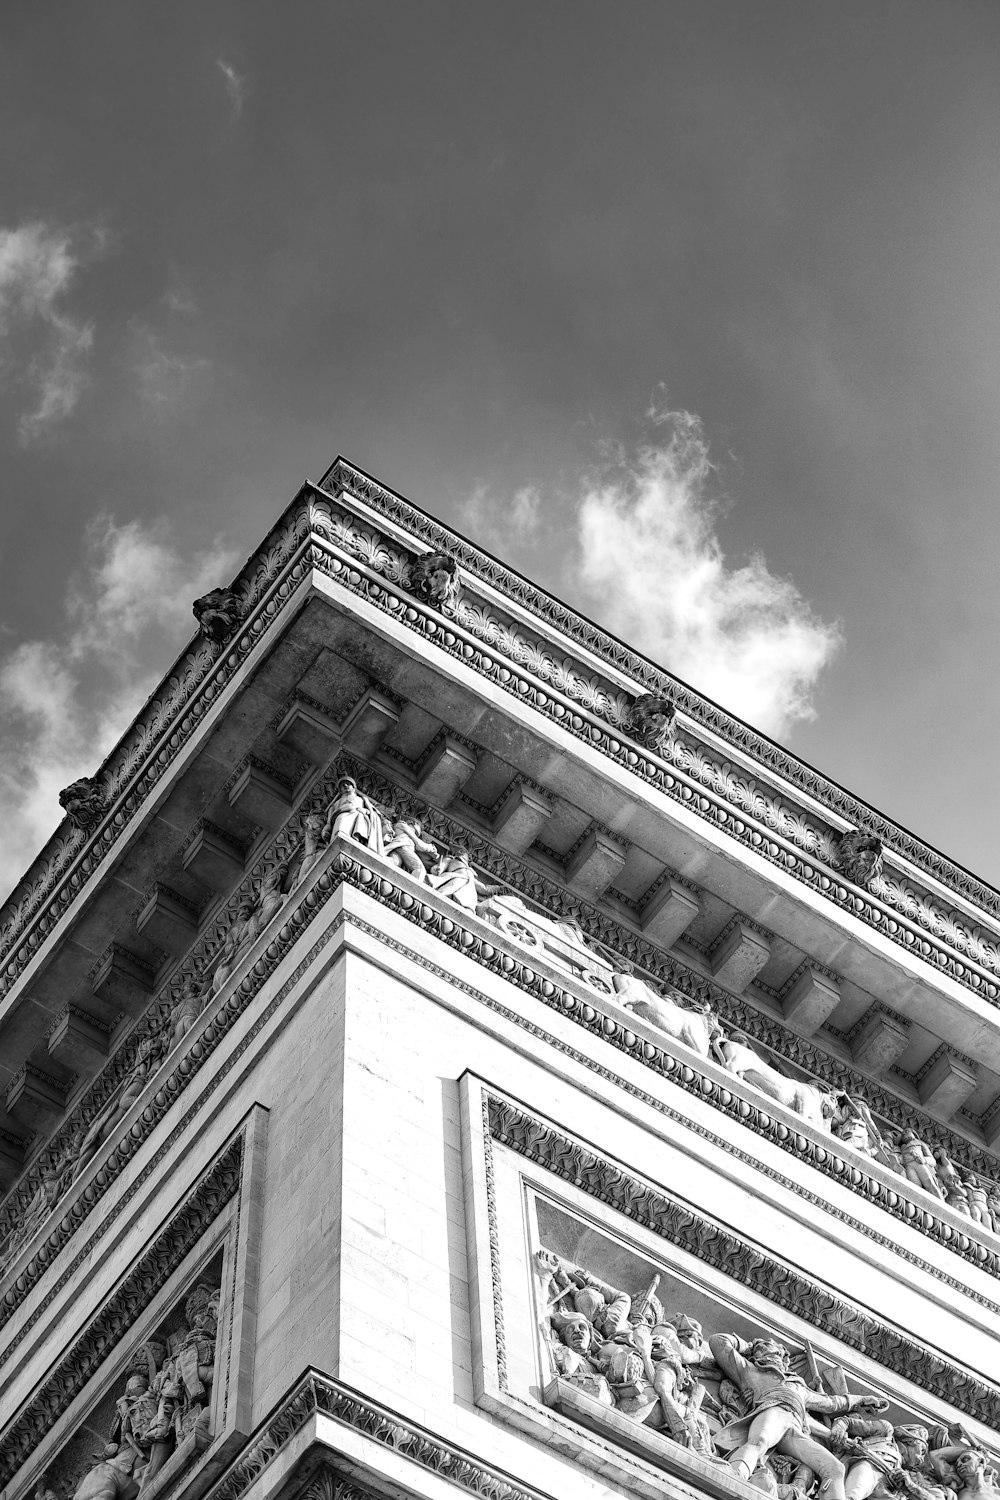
[355, 866]
[596, 709]
[317, 1394]
[343, 477]
[676, 1222]
[217, 1187]
[351, 865]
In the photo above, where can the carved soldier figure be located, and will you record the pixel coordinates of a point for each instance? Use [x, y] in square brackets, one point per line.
[406, 844]
[352, 815]
[271, 897]
[918, 1163]
[780, 1403]
[218, 613]
[84, 802]
[868, 1448]
[110, 1478]
[574, 1361]
[103, 1124]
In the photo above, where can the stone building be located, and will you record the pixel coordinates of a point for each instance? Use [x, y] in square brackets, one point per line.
[443, 1053]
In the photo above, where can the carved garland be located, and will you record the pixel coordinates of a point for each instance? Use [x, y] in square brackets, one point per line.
[202, 1207]
[571, 1161]
[343, 476]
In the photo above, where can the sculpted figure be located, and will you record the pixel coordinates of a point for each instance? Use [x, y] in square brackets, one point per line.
[697, 1029]
[104, 1123]
[918, 1163]
[974, 1478]
[651, 721]
[853, 1123]
[917, 1476]
[453, 876]
[951, 1183]
[110, 1478]
[806, 1099]
[574, 1359]
[434, 578]
[188, 1004]
[977, 1198]
[868, 1448]
[780, 1403]
[218, 613]
[271, 897]
[352, 816]
[859, 857]
[236, 942]
[313, 846]
[84, 802]
[406, 844]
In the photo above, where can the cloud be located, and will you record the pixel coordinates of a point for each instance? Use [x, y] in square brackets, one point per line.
[164, 379]
[235, 85]
[502, 524]
[65, 701]
[651, 568]
[37, 266]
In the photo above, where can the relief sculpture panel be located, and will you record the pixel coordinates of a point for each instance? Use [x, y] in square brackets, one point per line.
[620, 1337]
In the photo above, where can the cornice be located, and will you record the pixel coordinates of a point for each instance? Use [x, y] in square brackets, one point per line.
[654, 679]
[316, 1394]
[711, 1243]
[199, 1210]
[351, 864]
[691, 772]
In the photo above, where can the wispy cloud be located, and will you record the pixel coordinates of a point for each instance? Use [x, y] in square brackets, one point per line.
[164, 377]
[651, 567]
[37, 266]
[66, 700]
[235, 85]
[502, 523]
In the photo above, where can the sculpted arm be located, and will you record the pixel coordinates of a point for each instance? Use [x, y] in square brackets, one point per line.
[727, 1351]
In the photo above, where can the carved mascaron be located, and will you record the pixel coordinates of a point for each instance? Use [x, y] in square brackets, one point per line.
[218, 613]
[84, 801]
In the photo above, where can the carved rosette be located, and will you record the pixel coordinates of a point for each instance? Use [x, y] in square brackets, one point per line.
[651, 722]
[84, 802]
[434, 578]
[218, 613]
[859, 857]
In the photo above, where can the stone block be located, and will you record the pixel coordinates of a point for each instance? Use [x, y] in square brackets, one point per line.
[123, 982]
[810, 1001]
[521, 819]
[213, 859]
[168, 922]
[668, 912]
[595, 864]
[445, 771]
[79, 1040]
[739, 957]
[946, 1085]
[35, 1099]
[368, 722]
[260, 796]
[880, 1042]
[310, 732]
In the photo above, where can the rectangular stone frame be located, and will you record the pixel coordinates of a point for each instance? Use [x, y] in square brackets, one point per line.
[508, 1379]
[232, 1223]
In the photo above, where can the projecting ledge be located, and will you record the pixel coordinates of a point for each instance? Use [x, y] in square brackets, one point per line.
[521, 819]
[668, 913]
[739, 957]
[594, 865]
[946, 1085]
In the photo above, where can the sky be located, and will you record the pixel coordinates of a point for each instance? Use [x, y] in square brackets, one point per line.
[689, 309]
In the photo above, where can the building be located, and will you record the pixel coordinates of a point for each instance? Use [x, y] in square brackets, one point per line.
[441, 1052]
